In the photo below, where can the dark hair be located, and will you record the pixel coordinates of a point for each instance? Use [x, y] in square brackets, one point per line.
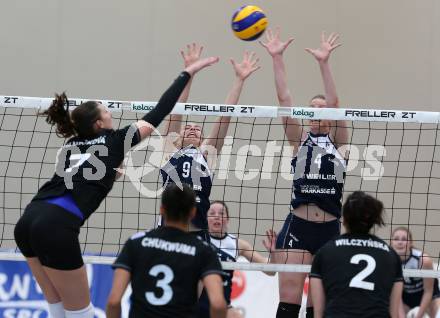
[361, 212]
[178, 202]
[80, 122]
[224, 206]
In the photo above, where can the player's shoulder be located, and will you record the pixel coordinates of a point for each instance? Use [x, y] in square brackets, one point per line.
[230, 236]
[136, 238]
[202, 245]
[138, 235]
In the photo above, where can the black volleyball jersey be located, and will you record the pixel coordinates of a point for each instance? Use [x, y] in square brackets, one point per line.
[189, 166]
[319, 173]
[358, 273]
[86, 168]
[166, 265]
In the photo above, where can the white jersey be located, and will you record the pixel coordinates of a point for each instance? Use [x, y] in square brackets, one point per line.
[413, 285]
[228, 244]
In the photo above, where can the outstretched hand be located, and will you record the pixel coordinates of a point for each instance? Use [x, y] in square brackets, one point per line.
[201, 64]
[248, 65]
[192, 53]
[270, 241]
[273, 43]
[322, 54]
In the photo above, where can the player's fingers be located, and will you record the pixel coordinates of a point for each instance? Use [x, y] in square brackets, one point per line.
[263, 44]
[335, 46]
[200, 50]
[277, 32]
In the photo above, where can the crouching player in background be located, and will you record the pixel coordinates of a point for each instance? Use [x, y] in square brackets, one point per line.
[417, 292]
[229, 248]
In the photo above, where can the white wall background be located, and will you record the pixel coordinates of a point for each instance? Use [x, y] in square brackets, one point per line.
[129, 49]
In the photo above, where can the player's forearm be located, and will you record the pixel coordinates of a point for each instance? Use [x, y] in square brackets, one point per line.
[173, 124]
[235, 92]
[255, 257]
[113, 310]
[168, 100]
[185, 94]
[219, 311]
[284, 96]
[218, 133]
[331, 95]
[424, 304]
[396, 305]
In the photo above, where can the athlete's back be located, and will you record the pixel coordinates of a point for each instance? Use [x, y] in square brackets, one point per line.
[358, 272]
[166, 265]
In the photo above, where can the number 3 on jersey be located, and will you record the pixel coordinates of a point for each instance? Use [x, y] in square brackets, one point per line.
[358, 280]
[164, 284]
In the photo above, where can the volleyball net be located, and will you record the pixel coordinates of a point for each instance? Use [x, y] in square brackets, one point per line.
[394, 156]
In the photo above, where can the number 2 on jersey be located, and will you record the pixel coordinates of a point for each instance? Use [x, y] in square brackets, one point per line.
[163, 284]
[358, 280]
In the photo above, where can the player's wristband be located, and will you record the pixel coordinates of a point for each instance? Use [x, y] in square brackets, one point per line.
[168, 100]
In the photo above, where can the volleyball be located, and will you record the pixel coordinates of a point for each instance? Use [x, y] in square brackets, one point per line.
[249, 23]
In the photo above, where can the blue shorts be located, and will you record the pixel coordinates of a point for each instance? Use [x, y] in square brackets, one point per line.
[301, 234]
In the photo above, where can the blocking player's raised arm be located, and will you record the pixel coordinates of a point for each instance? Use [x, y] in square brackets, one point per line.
[170, 97]
[276, 48]
[322, 55]
[190, 56]
[242, 70]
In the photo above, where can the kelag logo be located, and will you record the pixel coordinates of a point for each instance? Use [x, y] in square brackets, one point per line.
[303, 113]
[142, 107]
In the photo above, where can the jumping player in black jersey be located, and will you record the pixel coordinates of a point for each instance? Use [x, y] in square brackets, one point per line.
[319, 171]
[47, 233]
[357, 274]
[193, 156]
[417, 292]
[165, 265]
[229, 248]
